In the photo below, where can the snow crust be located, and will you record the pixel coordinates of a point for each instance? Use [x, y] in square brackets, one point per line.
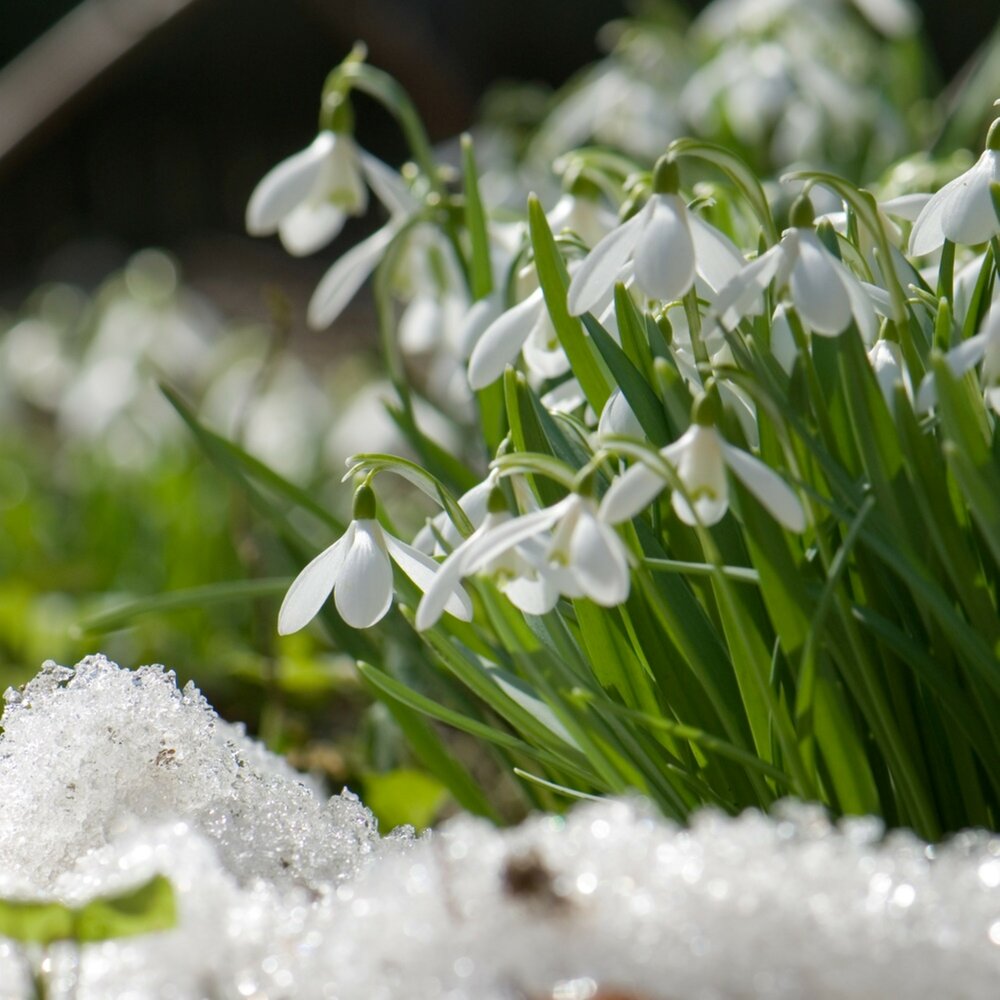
[109, 775]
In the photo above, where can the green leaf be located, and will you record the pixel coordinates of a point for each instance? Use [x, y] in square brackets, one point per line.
[554, 281]
[737, 171]
[636, 390]
[475, 223]
[39, 923]
[404, 797]
[147, 908]
[180, 600]
[150, 907]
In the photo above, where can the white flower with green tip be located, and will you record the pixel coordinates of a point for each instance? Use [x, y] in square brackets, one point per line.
[825, 294]
[307, 197]
[357, 570]
[568, 549]
[963, 210]
[700, 458]
[667, 246]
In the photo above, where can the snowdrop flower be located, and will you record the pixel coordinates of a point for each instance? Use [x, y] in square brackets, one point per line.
[823, 291]
[347, 274]
[667, 245]
[307, 197]
[700, 458]
[569, 548]
[358, 571]
[524, 329]
[962, 211]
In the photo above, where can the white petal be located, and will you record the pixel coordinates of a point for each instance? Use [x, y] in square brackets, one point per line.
[631, 492]
[862, 306]
[312, 586]
[775, 495]
[967, 215]
[741, 294]
[597, 558]
[421, 570]
[926, 235]
[532, 596]
[783, 345]
[718, 260]
[420, 325]
[475, 552]
[363, 593]
[388, 185]
[477, 321]
[599, 270]
[905, 206]
[819, 296]
[664, 252]
[617, 417]
[338, 286]
[310, 226]
[286, 185]
[700, 467]
[501, 341]
[968, 354]
[542, 352]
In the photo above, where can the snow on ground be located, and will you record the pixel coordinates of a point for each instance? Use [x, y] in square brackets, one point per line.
[108, 776]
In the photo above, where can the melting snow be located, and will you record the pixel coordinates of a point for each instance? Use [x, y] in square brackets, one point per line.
[108, 776]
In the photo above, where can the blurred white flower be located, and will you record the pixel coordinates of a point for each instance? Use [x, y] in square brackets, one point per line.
[307, 197]
[356, 569]
[701, 457]
[962, 211]
[347, 274]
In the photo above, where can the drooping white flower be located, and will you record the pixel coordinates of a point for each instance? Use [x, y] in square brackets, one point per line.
[357, 570]
[568, 548]
[700, 458]
[665, 246]
[962, 211]
[307, 197]
[826, 295]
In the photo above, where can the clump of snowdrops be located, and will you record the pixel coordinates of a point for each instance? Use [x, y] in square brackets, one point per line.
[727, 524]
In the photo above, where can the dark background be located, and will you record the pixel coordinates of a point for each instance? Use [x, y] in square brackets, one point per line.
[163, 145]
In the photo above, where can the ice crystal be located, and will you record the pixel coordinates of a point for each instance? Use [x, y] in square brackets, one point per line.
[281, 896]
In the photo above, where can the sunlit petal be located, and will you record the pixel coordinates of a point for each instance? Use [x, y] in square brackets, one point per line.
[421, 569]
[502, 340]
[631, 492]
[313, 585]
[363, 593]
[774, 494]
[310, 226]
[664, 252]
[339, 285]
[817, 291]
[599, 270]
[597, 558]
[286, 185]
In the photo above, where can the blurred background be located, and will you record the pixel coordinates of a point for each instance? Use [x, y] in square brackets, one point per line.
[131, 123]
[135, 124]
